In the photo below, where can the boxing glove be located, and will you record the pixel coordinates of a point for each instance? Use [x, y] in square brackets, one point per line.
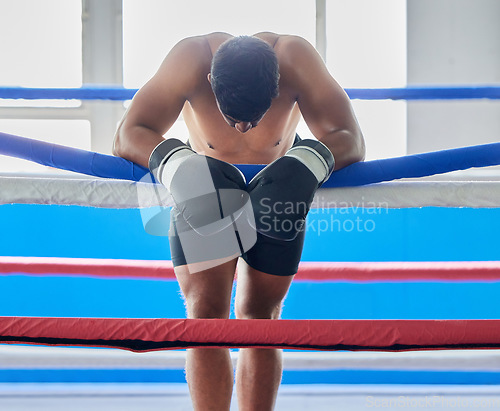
[209, 193]
[282, 192]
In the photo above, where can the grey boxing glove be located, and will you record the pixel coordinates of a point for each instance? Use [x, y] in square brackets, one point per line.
[209, 193]
[283, 191]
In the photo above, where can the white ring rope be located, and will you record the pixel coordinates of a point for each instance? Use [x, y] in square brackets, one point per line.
[108, 193]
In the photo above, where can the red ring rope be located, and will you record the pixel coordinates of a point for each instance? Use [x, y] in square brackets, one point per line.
[87, 266]
[164, 334]
[310, 271]
[156, 334]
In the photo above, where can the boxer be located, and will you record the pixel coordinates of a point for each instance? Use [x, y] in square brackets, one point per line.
[241, 99]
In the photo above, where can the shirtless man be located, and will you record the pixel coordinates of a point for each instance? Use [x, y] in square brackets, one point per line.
[256, 126]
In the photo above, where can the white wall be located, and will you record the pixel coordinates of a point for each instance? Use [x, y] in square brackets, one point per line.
[370, 43]
[453, 42]
[366, 47]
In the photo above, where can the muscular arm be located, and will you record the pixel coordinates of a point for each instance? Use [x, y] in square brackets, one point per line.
[325, 106]
[158, 103]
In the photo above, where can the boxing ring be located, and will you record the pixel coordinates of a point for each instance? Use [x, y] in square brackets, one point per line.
[398, 282]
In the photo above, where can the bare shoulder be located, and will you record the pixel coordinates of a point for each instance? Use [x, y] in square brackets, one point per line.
[294, 49]
[214, 40]
[196, 46]
[187, 62]
[268, 37]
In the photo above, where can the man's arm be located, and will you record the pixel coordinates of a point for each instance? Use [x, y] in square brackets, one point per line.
[158, 103]
[325, 106]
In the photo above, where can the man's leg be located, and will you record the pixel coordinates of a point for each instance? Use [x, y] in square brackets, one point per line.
[258, 374]
[209, 371]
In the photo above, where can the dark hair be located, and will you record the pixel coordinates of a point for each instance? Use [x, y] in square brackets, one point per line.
[244, 77]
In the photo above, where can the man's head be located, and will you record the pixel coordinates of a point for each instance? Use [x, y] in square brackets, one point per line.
[244, 78]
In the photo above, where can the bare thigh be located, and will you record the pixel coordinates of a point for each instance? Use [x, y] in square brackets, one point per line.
[258, 294]
[207, 293]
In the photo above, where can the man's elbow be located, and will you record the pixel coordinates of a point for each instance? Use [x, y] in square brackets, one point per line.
[117, 149]
[135, 143]
[359, 148]
[119, 142]
[348, 147]
[355, 152]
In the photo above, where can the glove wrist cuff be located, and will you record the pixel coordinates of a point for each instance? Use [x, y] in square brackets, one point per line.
[162, 153]
[316, 156]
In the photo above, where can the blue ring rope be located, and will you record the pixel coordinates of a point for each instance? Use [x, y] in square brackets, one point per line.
[403, 93]
[357, 174]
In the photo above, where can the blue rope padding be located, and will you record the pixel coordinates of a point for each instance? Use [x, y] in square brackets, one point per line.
[82, 93]
[426, 93]
[119, 93]
[71, 159]
[416, 165]
[358, 174]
